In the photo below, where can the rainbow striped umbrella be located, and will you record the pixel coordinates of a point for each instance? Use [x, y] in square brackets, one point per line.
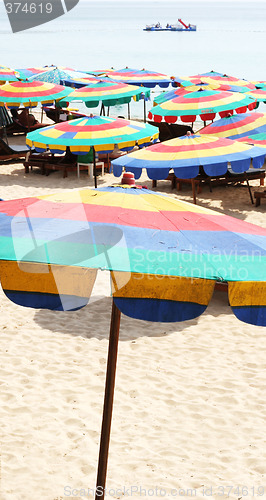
[164, 256]
[109, 93]
[99, 229]
[205, 103]
[8, 74]
[141, 78]
[103, 134]
[31, 93]
[186, 154]
[237, 126]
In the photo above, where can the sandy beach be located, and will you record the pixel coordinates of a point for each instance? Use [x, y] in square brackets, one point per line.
[189, 408]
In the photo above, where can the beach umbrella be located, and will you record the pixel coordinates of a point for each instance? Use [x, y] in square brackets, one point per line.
[164, 255]
[8, 74]
[205, 103]
[237, 126]
[29, 94]
[60, 76]
[141, 78]
[103, 134]
[185, 155]
[109, 94]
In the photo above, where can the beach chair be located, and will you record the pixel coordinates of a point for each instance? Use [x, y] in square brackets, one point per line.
[86, 162]
[20, 125]
[48, 162]
[12, 152]
[230, 177]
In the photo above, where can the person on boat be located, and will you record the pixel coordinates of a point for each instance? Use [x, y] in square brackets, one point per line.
[157, 25]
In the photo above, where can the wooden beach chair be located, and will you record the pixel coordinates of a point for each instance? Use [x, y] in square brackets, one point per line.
[12, 152]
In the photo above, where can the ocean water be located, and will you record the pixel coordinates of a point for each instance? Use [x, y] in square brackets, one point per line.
[230, 38]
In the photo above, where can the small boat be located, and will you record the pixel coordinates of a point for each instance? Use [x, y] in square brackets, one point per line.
[180, 26]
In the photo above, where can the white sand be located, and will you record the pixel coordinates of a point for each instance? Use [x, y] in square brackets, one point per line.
[189, 409]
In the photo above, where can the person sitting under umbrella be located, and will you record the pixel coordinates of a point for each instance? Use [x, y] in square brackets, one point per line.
[26, 119]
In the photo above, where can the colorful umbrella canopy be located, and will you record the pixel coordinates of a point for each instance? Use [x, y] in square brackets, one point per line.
[103, 134]
[205, 103]
[237, 126]
[141, 77]
[8, 74]
[31, 93]
[51, 247]
[100, 229]
[109, 93]
[186, 154]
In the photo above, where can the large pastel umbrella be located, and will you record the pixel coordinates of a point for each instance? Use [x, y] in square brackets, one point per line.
[185, 155]
[237, 126]
[165, 257]
[141, 78]
[103, 134]
[31, 93]
[109, 94]
[205, 103]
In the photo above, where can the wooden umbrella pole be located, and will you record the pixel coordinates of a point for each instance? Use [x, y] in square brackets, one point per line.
[108, 402]
[128, 110]
[94, 169]
[144, 109]
[194, 191]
